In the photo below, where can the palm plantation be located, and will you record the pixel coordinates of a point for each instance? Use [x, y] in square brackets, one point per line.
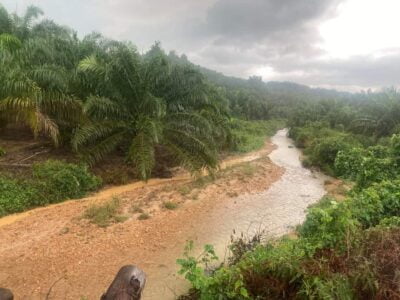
[100, 95]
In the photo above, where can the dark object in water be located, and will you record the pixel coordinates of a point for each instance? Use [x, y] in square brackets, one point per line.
[6, 294]
[128, 284]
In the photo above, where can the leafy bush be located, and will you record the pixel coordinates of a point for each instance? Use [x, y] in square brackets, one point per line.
[390, 222]
[348, 163]
[376, 203]
[250, 135]
[336, 287]
[327, 224]
[15, 196]
[59, 180]
[2, 152]
[366, 166]
[103, 215]
[170, 205]
[375, 170]
[323, 151]
[322, 144]
[51, 182]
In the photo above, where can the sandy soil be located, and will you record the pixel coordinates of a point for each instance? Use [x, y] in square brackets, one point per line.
[56, 246]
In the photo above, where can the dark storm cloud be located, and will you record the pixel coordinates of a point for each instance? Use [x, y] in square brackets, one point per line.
[240, 35]
[251, 21]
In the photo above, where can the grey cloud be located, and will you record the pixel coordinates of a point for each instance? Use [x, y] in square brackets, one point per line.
[259, 19]
[357, 71]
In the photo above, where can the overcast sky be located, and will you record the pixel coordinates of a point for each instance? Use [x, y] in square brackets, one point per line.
[343, 44]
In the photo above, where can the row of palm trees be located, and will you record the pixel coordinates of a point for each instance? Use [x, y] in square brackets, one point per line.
[98, 95]
[373, 114]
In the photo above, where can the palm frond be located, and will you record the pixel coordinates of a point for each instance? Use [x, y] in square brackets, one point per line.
[9, 42]
[104, 147]
[90, 133]
[46, 126]
[91, 64]
[101, 108]
[192, 152]
[141, 153]
[31, 13]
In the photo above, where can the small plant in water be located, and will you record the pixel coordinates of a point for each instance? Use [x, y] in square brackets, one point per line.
[184, 190]
[103, 215]
[170, 205]
[136, 209]
[144, 216]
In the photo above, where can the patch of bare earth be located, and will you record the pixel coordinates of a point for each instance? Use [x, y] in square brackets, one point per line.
[57, 245]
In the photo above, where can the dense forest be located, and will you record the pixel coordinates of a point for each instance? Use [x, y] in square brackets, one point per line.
[94, 97]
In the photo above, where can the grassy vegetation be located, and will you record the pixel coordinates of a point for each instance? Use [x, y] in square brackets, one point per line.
[144, 216]
[321, 144]
[105, 214]
[16, 196]
[170, 205]
[250, 135]
[50, 182]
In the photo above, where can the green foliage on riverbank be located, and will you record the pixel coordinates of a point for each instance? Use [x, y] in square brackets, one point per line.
[251, 135]
[50, 182]
[346, 250]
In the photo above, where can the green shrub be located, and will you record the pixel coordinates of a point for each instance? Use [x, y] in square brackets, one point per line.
[323, 151]
[103, 215]
[348, 163]
[366, 166]
[390, 222]
[375, 170]
[377, 202]
[144, 216]
[322, 144]
[336, 287]
[250, 135]
[2, 152]
[59, 180]
[170, 205]
[52, 181]
[395, 145]
[327, 225]
[16, 196]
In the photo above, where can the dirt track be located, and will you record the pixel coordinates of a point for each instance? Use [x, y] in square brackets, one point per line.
[53, 245]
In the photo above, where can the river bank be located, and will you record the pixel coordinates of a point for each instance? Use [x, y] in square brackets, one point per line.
[47, 244]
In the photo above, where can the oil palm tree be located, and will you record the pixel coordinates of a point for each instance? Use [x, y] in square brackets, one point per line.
[126, 113]
[33, 84]
[33, 92]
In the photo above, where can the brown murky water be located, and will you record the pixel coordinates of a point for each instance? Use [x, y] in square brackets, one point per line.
[276, 211]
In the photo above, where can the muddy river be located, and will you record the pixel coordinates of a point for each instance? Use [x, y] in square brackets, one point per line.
[275, 211]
